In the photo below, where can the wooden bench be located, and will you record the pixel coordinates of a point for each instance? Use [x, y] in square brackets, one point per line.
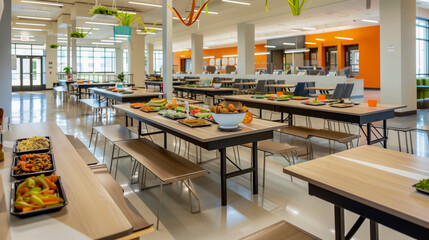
[280, 231]
[60, 90]
[94, 104]
[165, 165]
[83, 151]
[140, 225]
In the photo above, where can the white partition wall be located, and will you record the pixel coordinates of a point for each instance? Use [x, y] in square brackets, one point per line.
[5, 60]
[246, 48]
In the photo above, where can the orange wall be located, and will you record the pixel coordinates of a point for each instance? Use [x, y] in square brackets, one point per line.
[219, 52]
[368, 39]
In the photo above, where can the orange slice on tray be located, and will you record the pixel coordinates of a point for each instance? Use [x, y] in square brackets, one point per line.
[248, 118]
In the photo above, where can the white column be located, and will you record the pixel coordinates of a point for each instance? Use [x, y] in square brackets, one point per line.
[5, 59]
[150, 57]
[137, 58]
[68, 46]
[246, 48]
[74, 50]
[167, 49]
[119, 60]
[398, 53]
[51, 61]
[197, 44]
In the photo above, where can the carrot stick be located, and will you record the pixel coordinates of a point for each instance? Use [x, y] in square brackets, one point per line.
[27, 209]
[49, 192]
[51, 202]
[51, 185]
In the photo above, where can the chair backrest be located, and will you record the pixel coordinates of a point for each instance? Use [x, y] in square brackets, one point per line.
[348, 90]
[238, 80]
[300, 89]
[279, 89]
[270, 89]
[338, 92]
[260, 88]
[1, 116]
[311, 84]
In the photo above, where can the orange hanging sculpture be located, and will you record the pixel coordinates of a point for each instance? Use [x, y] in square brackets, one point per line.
[191, 19]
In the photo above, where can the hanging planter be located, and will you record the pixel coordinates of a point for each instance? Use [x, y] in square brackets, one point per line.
[146, 30]
[295, 5]
[101, 10]
[192, 17]
[124, 26]
[80, 34]
[55, 46]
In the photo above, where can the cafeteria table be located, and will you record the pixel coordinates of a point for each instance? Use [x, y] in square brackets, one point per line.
[211, 138]
[359, 114]
[322, 90]
[159, 84]
[207, 91]
[81, 86]
[374, 183]
[138, 95]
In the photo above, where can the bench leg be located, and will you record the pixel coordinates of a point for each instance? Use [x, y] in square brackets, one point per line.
[95, 143]
[117, 163]
[90, 139]
[104, 149]
[191, 190]
[159, 206]
[111, 161]
[263, 169]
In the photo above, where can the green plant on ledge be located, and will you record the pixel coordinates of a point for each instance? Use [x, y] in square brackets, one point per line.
[103, 11]
[121, 77]
[53, 45]
[80, 34]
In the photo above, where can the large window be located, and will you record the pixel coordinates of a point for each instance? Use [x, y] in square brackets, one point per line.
[90, 59]
[61, 58]
[422, 49]
[28, 49]
[157, 61]
[126, 57]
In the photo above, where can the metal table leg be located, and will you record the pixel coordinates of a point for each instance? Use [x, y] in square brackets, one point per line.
[373, 227]
[165, 140]
[385, 133]
[368, 133]
[255, 166]
[223, 176]
[339, 223]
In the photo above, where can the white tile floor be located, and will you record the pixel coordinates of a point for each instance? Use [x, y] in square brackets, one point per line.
[245, 213]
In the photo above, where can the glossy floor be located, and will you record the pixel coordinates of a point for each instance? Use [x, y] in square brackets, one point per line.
[245, 213]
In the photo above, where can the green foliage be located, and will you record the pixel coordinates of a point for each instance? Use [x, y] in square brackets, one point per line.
[103, 10]
[121, 77]
[80, 34]
[295, 6]
[423, 184]
[145, 29]
[53, 45]
[126, 19]
[67, 70]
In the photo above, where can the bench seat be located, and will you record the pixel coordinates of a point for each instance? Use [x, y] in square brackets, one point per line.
[280, 231]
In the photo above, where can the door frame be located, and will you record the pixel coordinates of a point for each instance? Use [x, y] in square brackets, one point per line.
[21, 74]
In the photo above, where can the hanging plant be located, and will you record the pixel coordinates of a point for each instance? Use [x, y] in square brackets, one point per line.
[80, 34]
[191, 19]
[53, 45]
[146, 30]
[126, 19]
[295, 6]
[98, 9]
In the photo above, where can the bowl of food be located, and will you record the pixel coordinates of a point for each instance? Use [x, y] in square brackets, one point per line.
[217, 85]
[228, 114]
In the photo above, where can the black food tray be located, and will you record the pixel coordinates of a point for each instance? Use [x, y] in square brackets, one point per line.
[59, 191]
[174, 118]
[26, 175]
[146, 111]
[420, 190]
[195, 126]
[44, 150]
[347, 106]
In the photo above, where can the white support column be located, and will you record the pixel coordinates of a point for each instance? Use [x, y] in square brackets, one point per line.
[167, 49]
[119, 60]
[150, 57]
[197, 44]
[74, 50]
[398, 53]
[137, 58]
[246, 48]
[68, 46]
[51, 61]
[5, 60]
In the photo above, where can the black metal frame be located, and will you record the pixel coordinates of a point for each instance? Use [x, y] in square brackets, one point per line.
[375, 215]
[207, 93]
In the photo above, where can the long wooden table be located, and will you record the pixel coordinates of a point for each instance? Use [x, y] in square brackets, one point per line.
[207, 91]
[138, 95]
[81, 86]
[160, 83]
[90, 213]
[360, 114]
[211, 138]
[374, 183]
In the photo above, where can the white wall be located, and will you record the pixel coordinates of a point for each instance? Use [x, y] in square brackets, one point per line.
[137, 58]
[51, 61]
[5, 59]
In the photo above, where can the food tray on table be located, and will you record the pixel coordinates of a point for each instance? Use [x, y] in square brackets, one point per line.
[148, 111]
[59, 192]
[47, 172]
[420, 190]
[41, 150]
[279, 99]
[341, 105]
[258, 96]
[300, 98]
[136, 105]
[313, 103]
[172, 116]
[182, 121]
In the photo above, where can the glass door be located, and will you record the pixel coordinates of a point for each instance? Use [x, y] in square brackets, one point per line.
[27, 76]
[331, 61]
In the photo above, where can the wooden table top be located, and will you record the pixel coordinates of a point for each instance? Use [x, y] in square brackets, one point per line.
[203, 134]
[90, 213]
[377, 177]
[358, 110]
[205, 89]
[246, 84]
[136, 93]
[321, 88]
[226, 81]
[191, 80]
[281, 85]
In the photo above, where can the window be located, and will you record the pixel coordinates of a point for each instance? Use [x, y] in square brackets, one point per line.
[61, 58]
[157, 61]
[89, 59]
[125, 65]
[422, 49]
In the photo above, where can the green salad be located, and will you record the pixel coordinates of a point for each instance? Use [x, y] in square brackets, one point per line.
[423, 184]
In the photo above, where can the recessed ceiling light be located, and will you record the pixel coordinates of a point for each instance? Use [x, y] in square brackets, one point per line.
[18, 35]
[87, 28]
[289, 44]
[344, 38]
[146, 4]
[232, 55]
[102, 43]
[268, 46]
[19, 39]
[118, 38]
[294, 30]
[205, 47]
[34, 10]
[236, 2]
[101, 23]
[310, 43]
[35, 18]
[112, 41]
[320, 39]
[369, 20]
[300, 50]
[28, 29]
[262, 53]
[44, 3]
[159, 29]
[206, 57]
[62, 41]
[129, 12]
[309, 28]
[31, 24]
[62, 38]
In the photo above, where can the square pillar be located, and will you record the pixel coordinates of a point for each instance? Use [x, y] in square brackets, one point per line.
[246, 48]
[398, 53]
[150, 57]
[197, 43]
[5, 60]
[137, 58]
[119, 60]
[51, 61]
[167, 49]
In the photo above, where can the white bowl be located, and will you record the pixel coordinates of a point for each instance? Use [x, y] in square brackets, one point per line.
[217, 85]
[228, 120]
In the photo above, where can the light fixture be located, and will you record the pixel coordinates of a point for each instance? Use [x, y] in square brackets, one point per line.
[146, 4]
[236, 2]
[269, 46]
[181, 50]
[19, 39]
[370, 21]
[27, 29]
[101, 23]
[310, 43]
[44, 3]
[207, 57]
[344, 38]
[118, 38]
[320, 39]
[294, 30]
[262, 53]
[102, 43]
[60, 38]
[299, 50]
[145, 33]
[128, 12]
[232, 55]
[34, 10]
[123, 36]
[88, 28]
[31, 24]
[112, 41]
[18, 35]
[309, 28]
[215, 13]
[159, 29]
[205, 47]
[289, 44]
[61, 41]
[35, 18]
